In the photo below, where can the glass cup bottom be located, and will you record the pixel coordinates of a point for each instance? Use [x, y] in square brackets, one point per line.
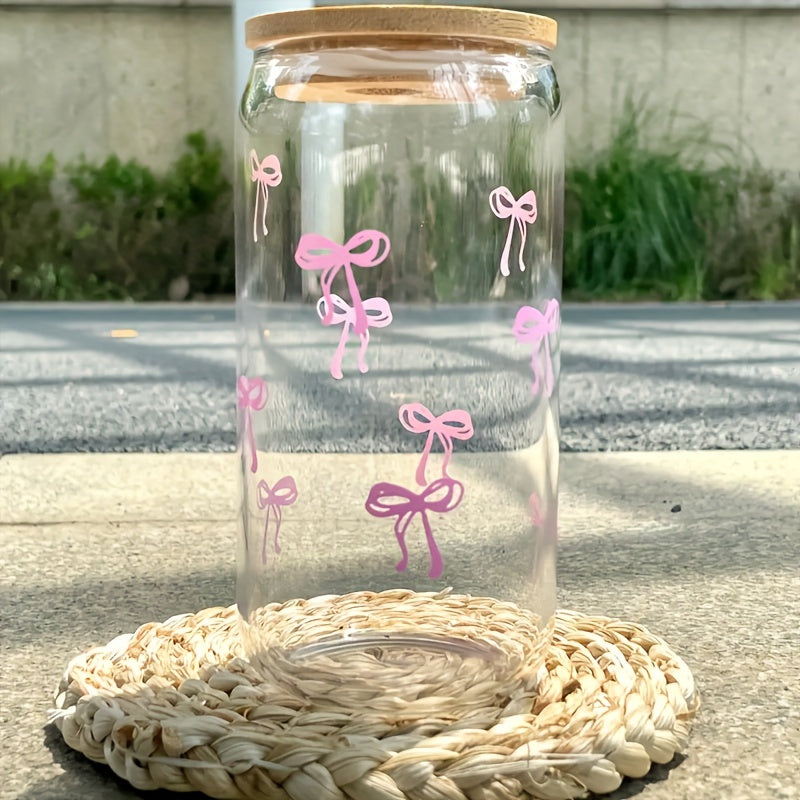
[399, 655]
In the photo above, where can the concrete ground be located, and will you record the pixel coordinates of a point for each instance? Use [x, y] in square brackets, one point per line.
[634, 377]
[719, 579]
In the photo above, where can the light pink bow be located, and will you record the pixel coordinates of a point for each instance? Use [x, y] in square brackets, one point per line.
[390, 500]
[251, 395]
[365, 249]
[521, 212]
[378, 313]
[283, 493]
[265, 173]
[530, 325]
[454, 424]
[535, 508]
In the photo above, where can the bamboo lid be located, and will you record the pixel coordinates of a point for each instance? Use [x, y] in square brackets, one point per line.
[453, 22]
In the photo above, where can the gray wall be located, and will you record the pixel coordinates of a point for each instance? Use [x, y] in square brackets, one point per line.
[98, 76]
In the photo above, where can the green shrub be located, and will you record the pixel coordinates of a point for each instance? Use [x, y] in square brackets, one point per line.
[30, 232]
[138, 232]
[661, 217]
[665, 219]
[119, 231]
[756, 253]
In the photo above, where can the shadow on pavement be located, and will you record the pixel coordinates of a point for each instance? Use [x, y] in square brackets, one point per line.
[720, 531]
[658, 773]
[84, 779]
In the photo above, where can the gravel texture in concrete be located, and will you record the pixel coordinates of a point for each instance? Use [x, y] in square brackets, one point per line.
[647, 377]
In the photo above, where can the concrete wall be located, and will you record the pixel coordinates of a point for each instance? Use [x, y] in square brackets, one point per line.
[99, 77]
[738, 71]
[134, 81]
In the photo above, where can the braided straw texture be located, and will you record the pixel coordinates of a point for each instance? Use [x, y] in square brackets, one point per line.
[176, 706]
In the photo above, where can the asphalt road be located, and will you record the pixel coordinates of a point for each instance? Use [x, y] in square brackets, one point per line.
[647, 377]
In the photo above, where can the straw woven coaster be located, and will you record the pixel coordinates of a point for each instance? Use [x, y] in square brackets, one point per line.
[175, 706]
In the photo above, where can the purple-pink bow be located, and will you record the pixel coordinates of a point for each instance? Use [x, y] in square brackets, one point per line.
[378, 314]
[251, 395]
[283, 493]
[390, 500]
[534, 327]
[365, 249]
[521, 213]
[264, 173]
[454, 424]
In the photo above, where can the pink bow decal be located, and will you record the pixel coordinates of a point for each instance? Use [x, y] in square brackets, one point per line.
[521, 212]
[283, 493]
[378, 314]
[389, 500]
[535, 507]
[251, 395]
[455, 424]
[365, 249]
[530, 325]
[265, 173]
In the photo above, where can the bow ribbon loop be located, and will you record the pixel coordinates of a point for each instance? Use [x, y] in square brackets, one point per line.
[531, 325]
[251, 393]
[520, 213]
[283, 493]
[264, 173]
[453, 424]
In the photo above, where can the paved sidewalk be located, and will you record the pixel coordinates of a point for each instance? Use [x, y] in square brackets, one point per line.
[720, 580]
[634, 377]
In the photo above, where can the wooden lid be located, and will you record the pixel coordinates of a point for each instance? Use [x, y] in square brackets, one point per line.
[372, 22]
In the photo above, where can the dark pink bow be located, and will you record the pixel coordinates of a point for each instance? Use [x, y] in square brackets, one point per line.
[283, 493]
[378, 314]
[521, 212]
[264, 173]
[531, 325]
[251, 395]
[390, 500]
[455, 424]
[365, 249]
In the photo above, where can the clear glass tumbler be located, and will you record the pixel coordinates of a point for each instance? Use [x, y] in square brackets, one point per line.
[399, 224]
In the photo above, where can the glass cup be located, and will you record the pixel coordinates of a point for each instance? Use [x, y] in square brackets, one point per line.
[399, 224]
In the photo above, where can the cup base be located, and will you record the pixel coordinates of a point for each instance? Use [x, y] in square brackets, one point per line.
[399, 653]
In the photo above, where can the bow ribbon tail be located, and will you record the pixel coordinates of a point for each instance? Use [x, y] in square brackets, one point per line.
[360, 321]
[423, 461]
[549, 377]
[362, 352]
[400, 528]
[336, 360]
[265, 200]
[266, 535]
[523, 232]
[277, 510]
[504, 268]
[247, 426]
[535, 368]
[261, 192]
[325, 283]
[437, 565]
[447, 445]
[273, 509]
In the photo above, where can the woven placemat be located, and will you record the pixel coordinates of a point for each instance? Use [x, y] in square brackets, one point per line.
[175, 706]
